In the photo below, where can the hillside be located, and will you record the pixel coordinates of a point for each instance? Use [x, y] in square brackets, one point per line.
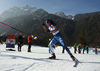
[91, 25]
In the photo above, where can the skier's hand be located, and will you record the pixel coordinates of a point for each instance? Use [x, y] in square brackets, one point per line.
[23, 36]
[18, 42]
[44, 27]
[43, 24]
[48, 31]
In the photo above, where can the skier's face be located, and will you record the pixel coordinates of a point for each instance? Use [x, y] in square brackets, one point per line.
[48, 24]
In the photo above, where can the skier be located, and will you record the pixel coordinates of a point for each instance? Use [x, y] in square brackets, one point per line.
[57, 37]
[30, 40]
[20, 42]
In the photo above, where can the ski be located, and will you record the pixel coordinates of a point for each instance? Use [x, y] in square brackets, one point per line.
[10, 50]
[47, 58]
[55, 59]
[76, 62]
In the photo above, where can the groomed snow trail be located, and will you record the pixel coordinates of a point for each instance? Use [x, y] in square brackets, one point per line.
[24, 61]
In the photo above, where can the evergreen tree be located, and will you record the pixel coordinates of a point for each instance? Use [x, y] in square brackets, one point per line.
[82, 37]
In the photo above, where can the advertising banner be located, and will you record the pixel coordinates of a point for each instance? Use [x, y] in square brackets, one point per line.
[10, 41]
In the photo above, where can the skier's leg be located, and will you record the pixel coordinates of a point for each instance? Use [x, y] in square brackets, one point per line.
[60, 39]
[53, 41]
[64, 45]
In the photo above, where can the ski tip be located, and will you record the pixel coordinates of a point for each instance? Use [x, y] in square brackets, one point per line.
[76, 62]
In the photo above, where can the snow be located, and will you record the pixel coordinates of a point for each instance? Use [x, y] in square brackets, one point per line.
[30, 61]
[61, 14]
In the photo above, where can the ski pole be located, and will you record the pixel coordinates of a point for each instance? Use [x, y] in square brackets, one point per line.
[17, 30]
[12, 28]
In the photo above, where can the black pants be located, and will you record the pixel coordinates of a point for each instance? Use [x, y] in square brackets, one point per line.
[79, 51]
[75, 50]
[63, 50]
[87, 51]
[19, 47]
[95, 52]
[29, 47]
[83, 51]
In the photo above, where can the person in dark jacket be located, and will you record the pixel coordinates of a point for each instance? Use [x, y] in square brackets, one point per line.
[30, 40]
[20, 42]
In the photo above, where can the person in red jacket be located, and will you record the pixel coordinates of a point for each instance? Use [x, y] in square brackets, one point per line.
[95, 50]
[30, 40]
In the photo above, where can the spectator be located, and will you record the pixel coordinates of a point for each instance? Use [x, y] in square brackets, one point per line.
[30, 40]
[83, 48]
[20, 42]
[75, 48]
[95, 50]
[87, 49]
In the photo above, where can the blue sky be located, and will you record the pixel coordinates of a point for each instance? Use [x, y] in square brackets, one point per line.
[71, 7]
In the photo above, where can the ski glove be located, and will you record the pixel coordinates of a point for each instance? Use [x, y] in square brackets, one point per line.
[43, 24]
[48, 31]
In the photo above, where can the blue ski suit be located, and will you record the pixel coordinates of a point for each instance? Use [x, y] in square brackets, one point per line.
[57, 38]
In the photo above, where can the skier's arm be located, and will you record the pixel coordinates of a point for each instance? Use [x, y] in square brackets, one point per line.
[54, 30]
[45, 28]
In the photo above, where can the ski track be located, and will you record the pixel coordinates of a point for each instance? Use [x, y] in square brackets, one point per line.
[24, 61]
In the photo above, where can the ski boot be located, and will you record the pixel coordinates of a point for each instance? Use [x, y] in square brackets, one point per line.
[53, 56]
[73, 58]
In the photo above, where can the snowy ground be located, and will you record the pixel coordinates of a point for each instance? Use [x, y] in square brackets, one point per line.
[24, 61]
